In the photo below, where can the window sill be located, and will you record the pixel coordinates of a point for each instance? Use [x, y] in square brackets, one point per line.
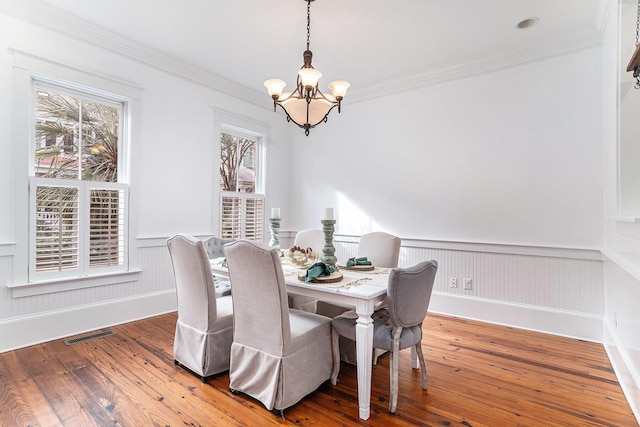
[629, 262]
[68, 284]
[626, 219]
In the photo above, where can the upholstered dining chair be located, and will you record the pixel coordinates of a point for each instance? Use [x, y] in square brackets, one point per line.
[215, 249]
[204, 329]
[278, 355]
[215, 246]
[382, 249]
[314, 239]
[310, 238]
[397, 327]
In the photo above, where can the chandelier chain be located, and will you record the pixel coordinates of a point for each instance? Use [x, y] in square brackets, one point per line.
[309, 21]
[638, 23]
[637, 84]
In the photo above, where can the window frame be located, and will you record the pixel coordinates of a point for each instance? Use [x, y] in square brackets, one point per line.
[83, 267]
[245, 128]
[28, 69]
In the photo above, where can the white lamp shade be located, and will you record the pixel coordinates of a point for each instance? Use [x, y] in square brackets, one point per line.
[339, 88]
[309, 77]
[275, 86]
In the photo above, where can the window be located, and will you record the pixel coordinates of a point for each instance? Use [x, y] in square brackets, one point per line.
[241, 199]
[78, 204]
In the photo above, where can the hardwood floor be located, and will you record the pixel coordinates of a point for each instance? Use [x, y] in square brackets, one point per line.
[479, 375]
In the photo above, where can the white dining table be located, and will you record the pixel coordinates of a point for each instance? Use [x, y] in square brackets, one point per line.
[362, 290]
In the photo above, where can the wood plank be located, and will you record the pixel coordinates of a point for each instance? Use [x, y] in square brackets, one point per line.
[479, 375]
[21, 402]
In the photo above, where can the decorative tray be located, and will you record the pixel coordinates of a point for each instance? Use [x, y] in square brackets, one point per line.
[356, 267]
[334, 277]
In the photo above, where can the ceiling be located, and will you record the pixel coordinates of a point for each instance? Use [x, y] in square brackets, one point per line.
[380, 46]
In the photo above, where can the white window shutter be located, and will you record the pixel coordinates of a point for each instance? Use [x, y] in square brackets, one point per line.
[80, 227]
[107, 227]
[253, 218]
[231, 217]
[241, 215]
[56, 234]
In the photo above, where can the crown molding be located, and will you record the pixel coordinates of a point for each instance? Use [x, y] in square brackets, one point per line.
[56, 20]
[541, 50]
[53, 19]
[605, 8]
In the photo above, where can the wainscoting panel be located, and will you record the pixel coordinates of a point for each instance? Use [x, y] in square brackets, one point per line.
[31, 319]
[558, 291]
[6, 271]
[622, 337]
[156, 275]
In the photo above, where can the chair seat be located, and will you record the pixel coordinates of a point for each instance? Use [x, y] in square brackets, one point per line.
[307, 328]
[225, 312]
[223, 288]
[382, 333]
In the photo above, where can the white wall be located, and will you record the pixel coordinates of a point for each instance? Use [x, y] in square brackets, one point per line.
[174, 184]
[510, 157]
[497, 176]
[622, 238]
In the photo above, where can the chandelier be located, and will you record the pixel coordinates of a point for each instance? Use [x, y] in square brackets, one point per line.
[306, 106]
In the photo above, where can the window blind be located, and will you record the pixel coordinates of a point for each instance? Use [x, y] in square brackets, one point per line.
[241, 215]
[80, 227]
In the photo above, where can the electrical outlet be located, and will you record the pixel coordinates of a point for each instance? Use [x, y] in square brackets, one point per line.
[453, 282]
[466, 284]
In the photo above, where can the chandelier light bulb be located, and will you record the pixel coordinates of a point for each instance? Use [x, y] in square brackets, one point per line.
[339, 88]
[275, 87]
[309, 77]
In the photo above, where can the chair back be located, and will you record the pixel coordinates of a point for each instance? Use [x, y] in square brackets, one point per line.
[310, 238]
[382, 249]
[409, 293]
[260, 308]
[194, 282]
[215, 246]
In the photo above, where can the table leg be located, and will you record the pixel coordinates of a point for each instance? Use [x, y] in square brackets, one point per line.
[364, 349]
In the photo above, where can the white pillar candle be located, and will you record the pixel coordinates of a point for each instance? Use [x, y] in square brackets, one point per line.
[275, 212]
[328, 213]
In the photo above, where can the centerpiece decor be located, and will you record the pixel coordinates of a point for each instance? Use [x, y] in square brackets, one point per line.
[328, 227]
[275, 228]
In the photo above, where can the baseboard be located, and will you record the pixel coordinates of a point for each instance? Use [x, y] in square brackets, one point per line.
[20, 332]
[627, 374]
[582, 326]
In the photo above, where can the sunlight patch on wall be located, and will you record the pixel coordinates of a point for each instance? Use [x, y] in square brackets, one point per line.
[350, 219]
